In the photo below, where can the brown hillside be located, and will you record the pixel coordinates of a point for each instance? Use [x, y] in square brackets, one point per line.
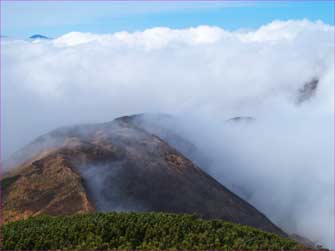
[116, 166]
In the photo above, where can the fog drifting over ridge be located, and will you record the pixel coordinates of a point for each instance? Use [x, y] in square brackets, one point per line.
[204, 75]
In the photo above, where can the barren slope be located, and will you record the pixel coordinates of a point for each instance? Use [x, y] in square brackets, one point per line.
[117, 166]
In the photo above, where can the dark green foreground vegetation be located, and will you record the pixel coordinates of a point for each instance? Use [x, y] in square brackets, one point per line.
[136, 231]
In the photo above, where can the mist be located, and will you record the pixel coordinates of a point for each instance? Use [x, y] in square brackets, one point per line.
[274, 161]
[280, 74]
[100, 180]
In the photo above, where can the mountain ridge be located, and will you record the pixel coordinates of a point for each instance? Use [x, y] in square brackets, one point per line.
[119, 166]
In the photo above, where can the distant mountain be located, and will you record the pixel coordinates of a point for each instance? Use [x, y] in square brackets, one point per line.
[241, 119]
[116, 166]
[307, 91]
[38, 36]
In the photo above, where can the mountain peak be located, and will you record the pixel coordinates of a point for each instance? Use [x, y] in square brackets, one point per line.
[38, 36]
[118, 166]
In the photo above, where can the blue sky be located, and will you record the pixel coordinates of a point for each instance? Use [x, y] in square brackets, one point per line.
[25, 18]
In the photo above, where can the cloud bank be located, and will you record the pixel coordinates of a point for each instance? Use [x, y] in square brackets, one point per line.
[282, 163]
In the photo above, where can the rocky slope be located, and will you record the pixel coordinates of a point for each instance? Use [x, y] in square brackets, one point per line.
[116, 166]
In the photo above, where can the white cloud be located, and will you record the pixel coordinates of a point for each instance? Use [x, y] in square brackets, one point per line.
[154, 38]
[286, 30]
[205, 74]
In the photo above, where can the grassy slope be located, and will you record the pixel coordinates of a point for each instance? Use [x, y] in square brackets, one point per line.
[136, 231]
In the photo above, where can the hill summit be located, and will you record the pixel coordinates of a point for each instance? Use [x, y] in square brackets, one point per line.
[116, 166]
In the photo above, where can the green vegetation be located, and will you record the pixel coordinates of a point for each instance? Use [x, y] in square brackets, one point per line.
[136, 231]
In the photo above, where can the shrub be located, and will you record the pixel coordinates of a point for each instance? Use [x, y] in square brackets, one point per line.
[154, 231]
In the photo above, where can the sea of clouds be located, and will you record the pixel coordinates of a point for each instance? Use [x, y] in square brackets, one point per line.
[282, 162]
